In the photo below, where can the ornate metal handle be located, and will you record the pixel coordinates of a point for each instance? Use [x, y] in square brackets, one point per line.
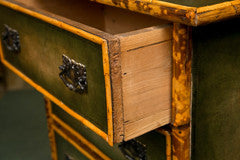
[133, 150]
[10, 39]
[73, 75]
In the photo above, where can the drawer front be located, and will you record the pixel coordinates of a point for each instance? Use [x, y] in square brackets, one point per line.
[42, 47]
[154, 142]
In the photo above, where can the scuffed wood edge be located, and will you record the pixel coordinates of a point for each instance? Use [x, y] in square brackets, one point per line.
[181, 76]
[191, 16]
[181, 143]
[116, 82]
[51, 134]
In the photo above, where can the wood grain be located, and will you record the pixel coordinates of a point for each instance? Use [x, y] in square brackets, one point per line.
[116, 80]
[144, 37]
[146, 79]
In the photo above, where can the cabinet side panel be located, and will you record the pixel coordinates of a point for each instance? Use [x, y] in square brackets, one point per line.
[216, 100]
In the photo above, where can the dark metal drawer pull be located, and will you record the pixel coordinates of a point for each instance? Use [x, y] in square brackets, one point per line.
[133, 150]
[10, 39]
[73, 75]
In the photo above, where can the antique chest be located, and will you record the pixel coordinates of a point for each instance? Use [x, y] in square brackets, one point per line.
[126, 85]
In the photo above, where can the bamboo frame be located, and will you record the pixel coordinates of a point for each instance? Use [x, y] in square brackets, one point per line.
[106, 68]
[181, 74]
[193, 16]
[51, 134]
[53, 128]
[168, 142]
[181, 92]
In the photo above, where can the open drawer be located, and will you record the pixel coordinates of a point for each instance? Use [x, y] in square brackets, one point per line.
[114, 77]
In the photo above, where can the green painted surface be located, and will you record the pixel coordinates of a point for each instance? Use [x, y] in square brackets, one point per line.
[23, 126]
[155, 142]
[42, 46]
[196, 3]
[64, 149]
[216, 86]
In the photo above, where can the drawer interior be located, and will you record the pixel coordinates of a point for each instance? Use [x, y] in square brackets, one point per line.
[106, 18]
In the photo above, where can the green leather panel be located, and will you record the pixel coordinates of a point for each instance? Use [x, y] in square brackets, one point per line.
[155, 142]
[42, 46]
[196, 3]
[64, 148]
[216, 86]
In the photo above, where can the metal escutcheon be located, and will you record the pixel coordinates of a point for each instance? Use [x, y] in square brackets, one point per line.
[10, 39]
[73, 75]
[133, 150]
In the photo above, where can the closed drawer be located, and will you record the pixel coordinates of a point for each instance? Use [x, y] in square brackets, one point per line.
[115, 78]
[152, 145]
[70, 146]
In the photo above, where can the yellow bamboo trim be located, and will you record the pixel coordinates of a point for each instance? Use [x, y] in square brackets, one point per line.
[73, 143]
[80, 137]
[52, 98]
[51, 133]
[179, 13]
[106, 70]
[160, 9]
[53, 21]
[217, 12]
[168, 143]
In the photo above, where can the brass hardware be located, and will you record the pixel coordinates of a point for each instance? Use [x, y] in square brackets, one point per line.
[10, 38]
[73, 75]
[133, 150]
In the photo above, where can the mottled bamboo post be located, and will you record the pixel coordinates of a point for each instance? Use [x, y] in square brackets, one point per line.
[181, 92]
[167, 134]
[51, 134]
